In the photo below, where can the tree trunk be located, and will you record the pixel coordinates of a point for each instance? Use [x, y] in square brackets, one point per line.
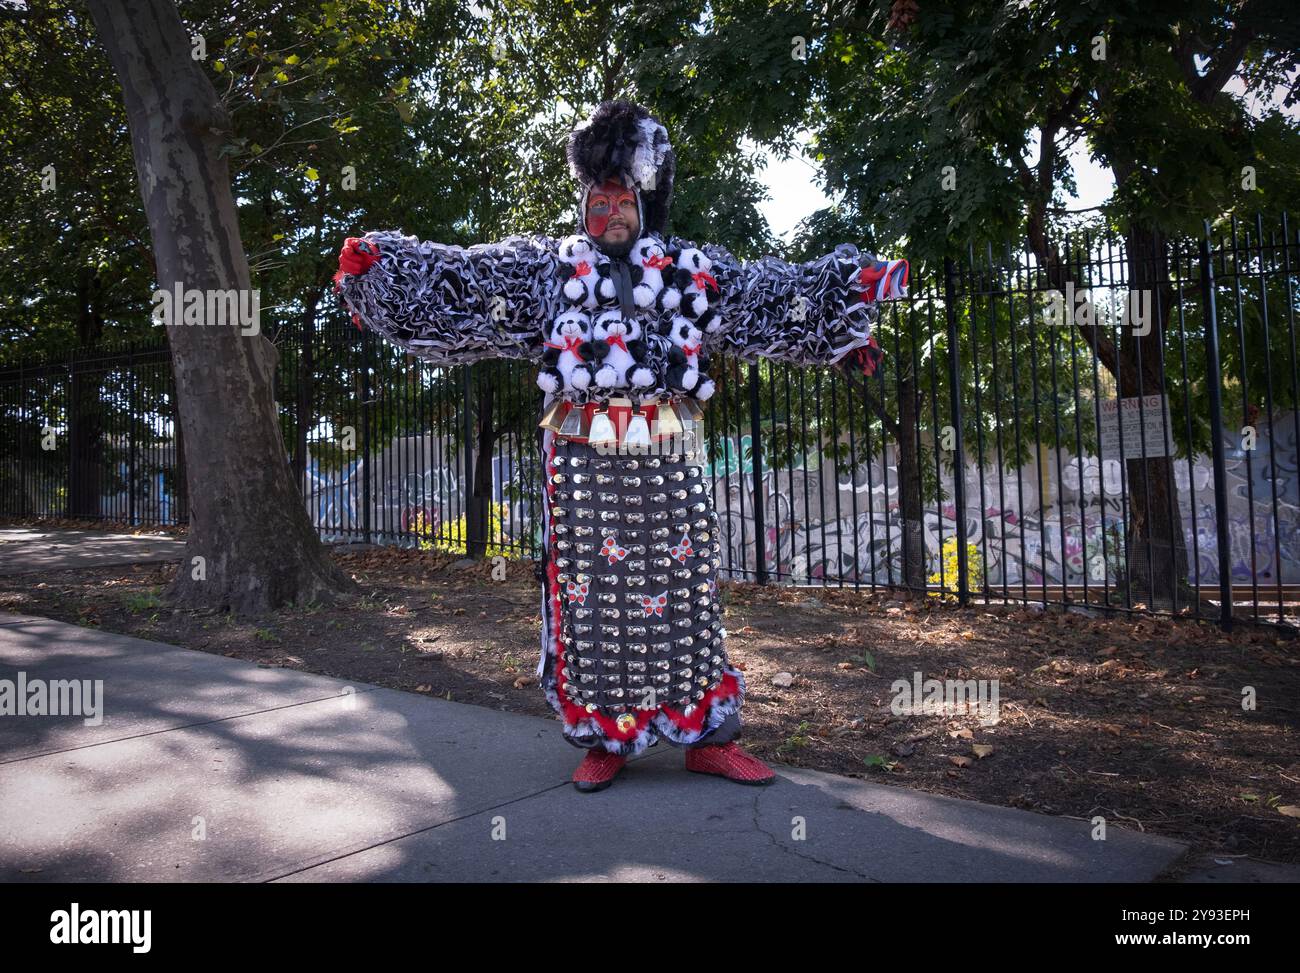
[250, 546]
[1155, 547]
[1153, 521]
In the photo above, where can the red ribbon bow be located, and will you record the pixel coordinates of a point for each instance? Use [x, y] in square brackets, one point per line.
[582, 270]
[703, 278]
[617, 339]
[658, 263]
[571, 343]
[690, 350]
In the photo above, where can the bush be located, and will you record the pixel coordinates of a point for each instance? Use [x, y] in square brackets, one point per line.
[449, 537]
[948, 576]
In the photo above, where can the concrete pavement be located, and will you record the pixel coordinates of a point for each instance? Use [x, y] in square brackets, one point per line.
[23, 550]
[210, 769]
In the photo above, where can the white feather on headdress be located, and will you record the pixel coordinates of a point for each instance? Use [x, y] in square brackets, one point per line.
[649, 154]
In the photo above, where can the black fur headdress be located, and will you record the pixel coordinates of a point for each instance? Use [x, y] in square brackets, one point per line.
[623, 141]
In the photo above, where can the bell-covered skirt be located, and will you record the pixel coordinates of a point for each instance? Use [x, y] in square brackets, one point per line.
[632, 633]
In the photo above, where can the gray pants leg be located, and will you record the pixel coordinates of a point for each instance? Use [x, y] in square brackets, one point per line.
[728, 731]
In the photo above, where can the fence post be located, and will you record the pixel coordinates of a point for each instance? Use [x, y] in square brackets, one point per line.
[467, 423]
[20, 501]
[366, 345]
[130, 431]
[1214, 383]
[302, 418]
[74, 467]
[959, 455]
[756, 451]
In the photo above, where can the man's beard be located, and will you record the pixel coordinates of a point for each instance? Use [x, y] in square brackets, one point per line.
[618, 250]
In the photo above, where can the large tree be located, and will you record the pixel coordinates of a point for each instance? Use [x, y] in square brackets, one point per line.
[250, 545]
[942, 124]
[1144, 85]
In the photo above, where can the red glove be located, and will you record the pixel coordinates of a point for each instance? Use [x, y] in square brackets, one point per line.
[355, 258]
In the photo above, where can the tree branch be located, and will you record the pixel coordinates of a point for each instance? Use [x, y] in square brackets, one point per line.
[1225, 62]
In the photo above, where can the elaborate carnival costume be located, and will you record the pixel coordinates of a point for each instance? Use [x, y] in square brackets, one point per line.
[632, 635]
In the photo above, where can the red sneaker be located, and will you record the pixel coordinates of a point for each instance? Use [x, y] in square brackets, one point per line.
[729, 761]
[597, 770]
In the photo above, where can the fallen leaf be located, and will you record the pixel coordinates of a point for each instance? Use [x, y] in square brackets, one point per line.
[982, 750]
[961, 734]
[783, 679]
[961, 761]
[523, 681]
[1290, 810]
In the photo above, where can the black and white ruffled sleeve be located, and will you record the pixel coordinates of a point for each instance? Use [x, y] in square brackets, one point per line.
[812, 313]
[452, 304]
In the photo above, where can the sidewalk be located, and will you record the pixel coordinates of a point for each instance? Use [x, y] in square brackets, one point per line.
[210, 769]
[23, 550]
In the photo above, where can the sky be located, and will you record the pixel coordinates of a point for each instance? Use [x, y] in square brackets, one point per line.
[794, 193]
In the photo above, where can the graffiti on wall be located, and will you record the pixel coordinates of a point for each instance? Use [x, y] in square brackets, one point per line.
[415, 487]
[1061, 519]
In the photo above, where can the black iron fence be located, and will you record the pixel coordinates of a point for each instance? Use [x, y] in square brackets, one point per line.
[1109, 421]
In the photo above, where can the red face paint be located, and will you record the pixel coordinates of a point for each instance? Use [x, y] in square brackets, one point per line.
[603, 202]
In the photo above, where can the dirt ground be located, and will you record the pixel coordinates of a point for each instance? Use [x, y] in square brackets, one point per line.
[1137, 719]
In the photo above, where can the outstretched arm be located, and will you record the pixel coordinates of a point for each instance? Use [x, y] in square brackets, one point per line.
[451, 304]
[814, 313]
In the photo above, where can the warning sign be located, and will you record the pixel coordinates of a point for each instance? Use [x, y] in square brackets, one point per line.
[1139, 427]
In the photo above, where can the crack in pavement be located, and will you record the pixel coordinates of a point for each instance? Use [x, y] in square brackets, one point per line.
[797, 854]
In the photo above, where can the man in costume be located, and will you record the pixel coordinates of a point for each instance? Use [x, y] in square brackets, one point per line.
[622, 320]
